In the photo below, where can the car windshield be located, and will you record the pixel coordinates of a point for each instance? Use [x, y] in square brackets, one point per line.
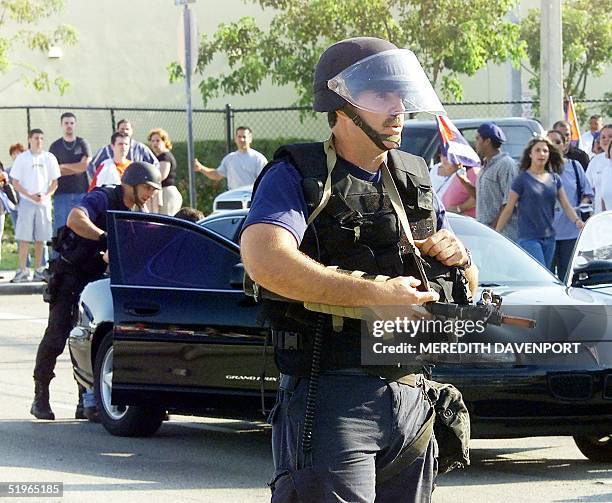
[595, 243]
[499, 260]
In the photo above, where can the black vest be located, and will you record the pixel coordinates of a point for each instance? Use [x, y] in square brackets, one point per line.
[357, 230]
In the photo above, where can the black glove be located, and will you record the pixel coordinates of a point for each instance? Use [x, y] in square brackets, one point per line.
[103, 241]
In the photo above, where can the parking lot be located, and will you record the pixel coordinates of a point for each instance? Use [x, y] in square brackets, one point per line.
[216, 460]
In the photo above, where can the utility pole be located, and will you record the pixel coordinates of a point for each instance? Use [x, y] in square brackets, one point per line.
[551, 63]
[188, 58]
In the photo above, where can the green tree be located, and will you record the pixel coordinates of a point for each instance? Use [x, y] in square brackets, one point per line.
[450, 38]
[587, 43]
[16, 20]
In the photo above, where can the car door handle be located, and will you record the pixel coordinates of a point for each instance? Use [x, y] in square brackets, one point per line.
[141, 309]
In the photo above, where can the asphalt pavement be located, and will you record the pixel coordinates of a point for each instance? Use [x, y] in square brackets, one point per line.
[222, 461]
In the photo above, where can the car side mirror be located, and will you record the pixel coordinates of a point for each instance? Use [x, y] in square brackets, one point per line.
[595, 272]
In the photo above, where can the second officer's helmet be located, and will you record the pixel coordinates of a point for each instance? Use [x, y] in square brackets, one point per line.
[142, 172]
[349, 68]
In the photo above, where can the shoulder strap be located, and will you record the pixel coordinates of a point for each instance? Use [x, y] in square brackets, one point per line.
[401, 214]
[411, 452]
[578, 182]
[331, 158]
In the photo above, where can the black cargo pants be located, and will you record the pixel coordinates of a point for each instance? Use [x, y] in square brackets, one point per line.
[65, 286]
[361, 424]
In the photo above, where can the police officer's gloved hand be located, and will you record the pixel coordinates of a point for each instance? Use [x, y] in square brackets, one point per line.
[103, 242]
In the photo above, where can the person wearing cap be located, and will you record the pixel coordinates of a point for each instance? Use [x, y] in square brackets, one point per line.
[337, 426]
[495, 178]
[80, 246]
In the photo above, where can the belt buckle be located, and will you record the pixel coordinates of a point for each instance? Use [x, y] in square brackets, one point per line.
[290, 341]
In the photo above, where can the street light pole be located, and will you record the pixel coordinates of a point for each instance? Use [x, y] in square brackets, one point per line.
[551, 62]
[188, 26]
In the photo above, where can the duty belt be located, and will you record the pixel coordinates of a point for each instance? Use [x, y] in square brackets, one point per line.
[285, 340]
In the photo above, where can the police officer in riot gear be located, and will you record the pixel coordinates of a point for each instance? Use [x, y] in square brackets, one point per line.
[81, 245]
[336, 427]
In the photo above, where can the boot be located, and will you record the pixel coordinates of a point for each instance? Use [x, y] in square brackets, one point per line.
[90, 409]
[40, 406]
[79, 412]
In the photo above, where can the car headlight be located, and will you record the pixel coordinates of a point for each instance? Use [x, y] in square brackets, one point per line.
[85, 318]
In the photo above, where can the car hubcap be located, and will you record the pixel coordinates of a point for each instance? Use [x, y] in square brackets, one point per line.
[106, 388]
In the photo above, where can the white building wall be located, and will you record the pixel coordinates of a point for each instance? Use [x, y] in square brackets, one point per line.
[121, 58]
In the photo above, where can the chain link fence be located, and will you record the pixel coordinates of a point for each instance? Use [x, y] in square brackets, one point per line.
[96, 124]
[213, 130]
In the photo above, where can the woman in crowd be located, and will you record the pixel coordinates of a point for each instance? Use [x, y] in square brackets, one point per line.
[455, 196]
[446, 182]
[536, 190]
[578, 190]
[171, 199]
[5, 204]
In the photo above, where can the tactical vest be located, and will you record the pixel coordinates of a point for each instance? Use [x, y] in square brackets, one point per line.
[357, 230]
[84, 254]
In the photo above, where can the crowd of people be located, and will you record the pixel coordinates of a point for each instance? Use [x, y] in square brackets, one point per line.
[40, 187]
[542, 202]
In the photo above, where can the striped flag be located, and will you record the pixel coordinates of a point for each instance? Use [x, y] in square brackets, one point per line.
[572, 118]
[454, 146]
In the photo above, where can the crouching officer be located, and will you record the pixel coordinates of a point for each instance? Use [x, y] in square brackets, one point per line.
[80, 246]
[336, 427]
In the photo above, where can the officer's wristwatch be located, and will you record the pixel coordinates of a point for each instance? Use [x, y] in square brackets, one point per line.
[468, 263]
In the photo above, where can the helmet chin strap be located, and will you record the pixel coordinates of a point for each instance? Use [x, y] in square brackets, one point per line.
[136, 200]
[381, 140]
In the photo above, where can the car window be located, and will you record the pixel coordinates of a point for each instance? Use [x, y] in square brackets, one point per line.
[228, 227]
[499, 261]
[164, 254]
[416, 140]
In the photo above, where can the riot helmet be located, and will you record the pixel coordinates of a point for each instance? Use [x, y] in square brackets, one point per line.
[373, 75]
[142, 172]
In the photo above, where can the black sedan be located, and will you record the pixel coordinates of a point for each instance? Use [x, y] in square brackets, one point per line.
[178, 335]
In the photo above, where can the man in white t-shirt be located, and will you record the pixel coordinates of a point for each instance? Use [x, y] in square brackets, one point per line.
[34, 175]
[240, 167]
[597, 166]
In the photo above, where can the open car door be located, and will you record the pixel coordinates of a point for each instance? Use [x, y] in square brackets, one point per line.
[182, 323]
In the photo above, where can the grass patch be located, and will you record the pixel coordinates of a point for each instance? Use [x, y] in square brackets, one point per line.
[10, 259]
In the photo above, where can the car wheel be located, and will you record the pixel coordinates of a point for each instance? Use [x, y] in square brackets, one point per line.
[123, 421]
[597, 448]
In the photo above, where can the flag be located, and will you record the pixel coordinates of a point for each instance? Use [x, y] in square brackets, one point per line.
[454, 146]
[572, 118]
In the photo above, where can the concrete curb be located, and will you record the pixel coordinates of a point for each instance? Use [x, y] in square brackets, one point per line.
[21, 288]
[27, 288]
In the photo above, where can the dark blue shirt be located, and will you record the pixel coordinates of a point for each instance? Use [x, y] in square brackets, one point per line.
[279, 199]
[96, 204]
[71, 153]
[536, 205]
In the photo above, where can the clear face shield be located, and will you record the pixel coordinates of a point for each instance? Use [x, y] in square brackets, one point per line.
[391, 82]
